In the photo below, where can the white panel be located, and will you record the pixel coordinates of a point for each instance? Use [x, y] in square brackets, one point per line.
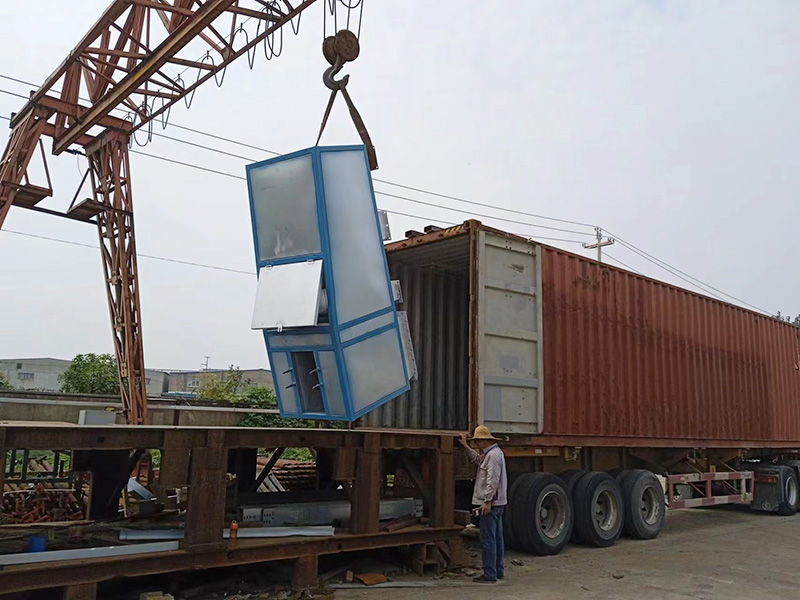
[408, 344]
[397, 291]
[285, 206]
[375, 368]
[359, 271]
[288, 295]
[353, 332]
[509, 329]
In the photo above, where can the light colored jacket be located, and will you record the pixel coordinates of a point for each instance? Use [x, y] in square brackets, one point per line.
[491, 481]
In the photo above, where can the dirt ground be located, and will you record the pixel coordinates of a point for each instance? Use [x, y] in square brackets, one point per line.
[708, 554]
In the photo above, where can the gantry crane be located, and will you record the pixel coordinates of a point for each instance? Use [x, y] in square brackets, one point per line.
[133, 59]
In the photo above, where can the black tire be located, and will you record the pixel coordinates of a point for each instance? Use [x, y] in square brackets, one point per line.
[570, 479]
[542, 515]
[790, 494]
[645, 509]
[619, 474]
[508, 527]
[599, 509]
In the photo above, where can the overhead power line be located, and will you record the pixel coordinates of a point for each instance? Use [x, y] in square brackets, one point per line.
[138, 254]
[274, 153]
[693, 281]
[616, 260]
[242, 178]
[378, 192]
[683, 275]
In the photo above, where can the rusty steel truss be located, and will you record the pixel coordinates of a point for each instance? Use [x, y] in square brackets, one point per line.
[134, 59]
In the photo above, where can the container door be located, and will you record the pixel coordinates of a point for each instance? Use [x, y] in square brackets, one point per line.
[509, 323]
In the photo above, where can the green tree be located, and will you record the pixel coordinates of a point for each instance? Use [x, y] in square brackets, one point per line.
[788, 319]
[226, 388]
[91, 374]
[5, 384]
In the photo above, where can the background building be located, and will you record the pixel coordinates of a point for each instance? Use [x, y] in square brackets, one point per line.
[191, 381]
[43, 373]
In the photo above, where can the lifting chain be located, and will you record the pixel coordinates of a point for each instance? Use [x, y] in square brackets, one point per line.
[339, 49]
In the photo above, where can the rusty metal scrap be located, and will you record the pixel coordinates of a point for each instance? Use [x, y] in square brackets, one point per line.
[43, 501]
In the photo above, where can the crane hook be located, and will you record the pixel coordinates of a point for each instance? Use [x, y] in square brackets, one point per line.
[338, 50]
[328, 76]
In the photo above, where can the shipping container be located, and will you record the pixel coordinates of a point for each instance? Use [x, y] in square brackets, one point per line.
[554, 348]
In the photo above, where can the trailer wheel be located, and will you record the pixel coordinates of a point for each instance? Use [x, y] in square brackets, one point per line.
[645, 512]
[789, 492]
[508, 526]
[599, 509]
[619, 474]
[570, 479]
[542, 514]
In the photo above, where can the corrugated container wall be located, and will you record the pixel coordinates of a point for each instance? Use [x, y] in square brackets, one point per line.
[625, 355]
[534, 340]
[435, 284]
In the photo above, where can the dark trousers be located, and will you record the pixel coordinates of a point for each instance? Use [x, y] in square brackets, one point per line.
[492, 542]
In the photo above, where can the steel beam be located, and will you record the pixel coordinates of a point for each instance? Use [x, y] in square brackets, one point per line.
[109, 166]
[17, 156]
[194, 25]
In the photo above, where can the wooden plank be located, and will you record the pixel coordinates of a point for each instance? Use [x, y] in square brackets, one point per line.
[400, 523]
[46, 436]
[305, 573]
[365, 505]
[344, 460]
[175, 454]
[205, 513]
[48, 575]
[82, 591]
[444, 485]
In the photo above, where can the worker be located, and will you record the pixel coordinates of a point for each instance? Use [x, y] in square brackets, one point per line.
[490, 495]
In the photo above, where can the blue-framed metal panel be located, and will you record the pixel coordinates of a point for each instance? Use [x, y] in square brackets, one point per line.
[365, 318]
[369, 334]
[271, 161]
[333, 327]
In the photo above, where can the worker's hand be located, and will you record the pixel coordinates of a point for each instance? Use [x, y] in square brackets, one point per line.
[462, 439]
[486, 508]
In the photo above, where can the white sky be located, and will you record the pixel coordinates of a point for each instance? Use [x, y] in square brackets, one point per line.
[672, 124]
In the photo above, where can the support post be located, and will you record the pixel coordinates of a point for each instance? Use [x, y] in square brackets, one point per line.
[458, 554]
[305, 573]
[109, 166]
[81, 591]
[365, 504]
[175, 455]
[205, 514]
[242, 463]
[444, 484]
[3, 452]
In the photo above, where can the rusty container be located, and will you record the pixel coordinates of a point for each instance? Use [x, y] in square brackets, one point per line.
[547, 346]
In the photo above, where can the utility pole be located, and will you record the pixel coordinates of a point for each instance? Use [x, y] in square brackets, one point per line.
[599, 243]
[204, 366]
